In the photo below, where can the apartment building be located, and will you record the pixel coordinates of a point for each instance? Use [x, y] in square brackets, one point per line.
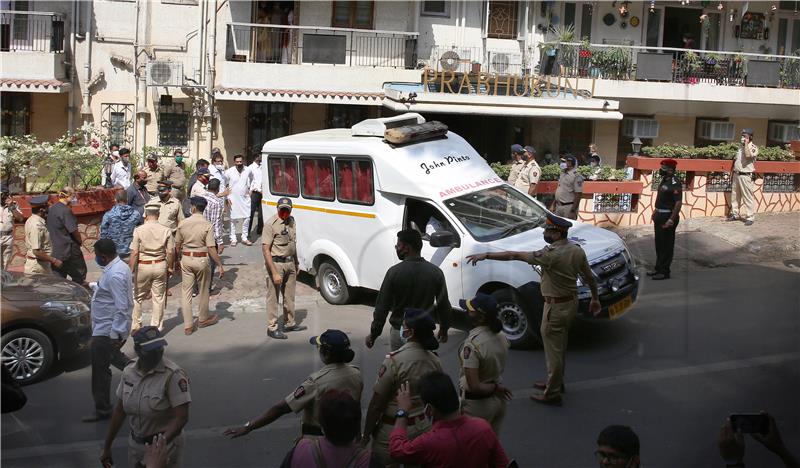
[197, 74]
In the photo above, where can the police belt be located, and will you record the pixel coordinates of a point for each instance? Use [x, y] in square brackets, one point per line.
[280, 259]
[663, 210]
[558, 300]
[310, 429]
[188, 253]
[743, 173]
[150, 262]
[144, 439]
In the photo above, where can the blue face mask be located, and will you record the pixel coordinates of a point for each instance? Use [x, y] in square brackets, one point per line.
[403, 336]
[99, 260]
[563, 166]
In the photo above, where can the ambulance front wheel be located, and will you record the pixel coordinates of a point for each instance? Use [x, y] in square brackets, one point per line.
[332, 283]
[520, 325]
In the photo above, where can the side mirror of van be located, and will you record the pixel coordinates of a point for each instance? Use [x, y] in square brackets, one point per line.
[443, 239]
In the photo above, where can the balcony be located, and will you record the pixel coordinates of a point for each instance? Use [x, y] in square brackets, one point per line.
[32, 50]
[303, 45]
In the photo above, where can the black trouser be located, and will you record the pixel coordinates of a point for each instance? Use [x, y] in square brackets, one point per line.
[255, 210]
[74, 266]
[665, 241]
[105, 352]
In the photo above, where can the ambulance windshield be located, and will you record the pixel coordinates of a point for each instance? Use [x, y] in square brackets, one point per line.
[496, 213]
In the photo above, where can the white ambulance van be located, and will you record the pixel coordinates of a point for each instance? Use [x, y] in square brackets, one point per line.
[353, 190]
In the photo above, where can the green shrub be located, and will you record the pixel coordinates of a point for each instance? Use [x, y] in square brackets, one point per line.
[720, 151]
[502, 170]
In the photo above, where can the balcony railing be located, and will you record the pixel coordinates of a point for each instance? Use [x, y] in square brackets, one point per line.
[31, 31]
[621, 62]
[262, 43]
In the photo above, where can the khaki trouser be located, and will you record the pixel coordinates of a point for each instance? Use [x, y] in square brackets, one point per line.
[37, 267]
[565, 211]
[380, 441]
[194, 270]
[150, 278]
[289, 274]
[556, 321]
[492, 409]
[6, 250]
[742, 189]
[136, 453]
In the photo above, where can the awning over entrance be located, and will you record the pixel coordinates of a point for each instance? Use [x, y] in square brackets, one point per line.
[33, 86]
[298, 96]
[403, 97]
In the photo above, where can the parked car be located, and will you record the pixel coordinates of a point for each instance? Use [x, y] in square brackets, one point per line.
[44, 318]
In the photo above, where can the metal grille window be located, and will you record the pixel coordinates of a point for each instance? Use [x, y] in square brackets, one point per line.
[780, 183]
[356, 15]
[681, 175]
[613, 203]
[502, 20]
[117, 119]
[173, 126]
[718, 182]
[436, 8]
[16, 114]
[344, 116]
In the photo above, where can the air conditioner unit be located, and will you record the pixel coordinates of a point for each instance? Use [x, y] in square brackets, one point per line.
[504, 63]
[784, 132]
[452, 60]
[164, 73]
[642, 128]
[715, 130]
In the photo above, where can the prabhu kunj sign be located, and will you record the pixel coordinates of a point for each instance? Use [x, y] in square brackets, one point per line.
[493, 84]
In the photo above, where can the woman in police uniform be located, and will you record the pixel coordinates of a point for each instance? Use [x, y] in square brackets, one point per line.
[482, 359]
[154, 392]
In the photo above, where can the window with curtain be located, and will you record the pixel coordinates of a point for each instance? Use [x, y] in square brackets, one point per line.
[317, 177]
[16, 114]
[356, 15]
[283, 175]
[354, 181]
[502, 20]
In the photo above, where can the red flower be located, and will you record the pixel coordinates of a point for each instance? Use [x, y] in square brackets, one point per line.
[585, 53]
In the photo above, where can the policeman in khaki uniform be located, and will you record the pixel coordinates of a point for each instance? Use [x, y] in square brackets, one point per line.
[38, 257]
[9, 213]
[570, 189]
[154, 392]
[154, 174]
[529, 174]
[151, 262]
[482, 359]
[408, 364]
[518, 160]
[561, 263]
[337, 374]
[194, 242]
[170, 213]
[279, 247]
[742, 188]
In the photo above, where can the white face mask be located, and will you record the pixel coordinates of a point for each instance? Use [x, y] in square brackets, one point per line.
[403, 336]
[219, 166]
[562, 165]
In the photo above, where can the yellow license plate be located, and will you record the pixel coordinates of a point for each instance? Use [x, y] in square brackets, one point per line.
[620, 307]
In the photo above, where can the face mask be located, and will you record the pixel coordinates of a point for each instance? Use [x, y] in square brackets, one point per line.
[663, 172]
[219, 166]
[549, 238]
[149, 359]
[403, 336]
[284, 214]
[742, 140]
[428, 411]
[178, 159]
[563, 166]
[142, 183]
[400, 253]
[593, 164]
[125, 159]
[99, 260]
[163, 195]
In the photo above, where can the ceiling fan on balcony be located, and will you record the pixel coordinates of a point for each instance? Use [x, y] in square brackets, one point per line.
[449, 61]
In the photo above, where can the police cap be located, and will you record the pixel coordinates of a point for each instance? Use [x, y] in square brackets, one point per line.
[483, 303]
[669, 162]
[555, 222]
[203, 171]
[149, 338]
[284, 203]
[530, 149]
[418, 319]
[152, 206]
[336, 339]
[748, 131]
[516, 148]
[39, 200]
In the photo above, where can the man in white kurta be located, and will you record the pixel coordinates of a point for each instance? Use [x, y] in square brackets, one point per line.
[240, 179]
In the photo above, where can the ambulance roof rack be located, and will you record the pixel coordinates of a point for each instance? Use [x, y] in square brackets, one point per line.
[378, 127]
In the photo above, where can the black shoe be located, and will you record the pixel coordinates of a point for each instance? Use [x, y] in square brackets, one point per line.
[96, 416]
[660, 276]
[277, 334]
[294, 328]
[651, 273]
[749, 222]
[732, 218]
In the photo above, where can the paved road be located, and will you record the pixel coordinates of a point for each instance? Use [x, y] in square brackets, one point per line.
[709, 342]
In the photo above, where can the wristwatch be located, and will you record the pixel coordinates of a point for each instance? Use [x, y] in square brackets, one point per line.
[401, 413]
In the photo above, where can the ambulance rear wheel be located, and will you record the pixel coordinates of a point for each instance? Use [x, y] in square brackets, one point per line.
[520, 326]
[332, 283]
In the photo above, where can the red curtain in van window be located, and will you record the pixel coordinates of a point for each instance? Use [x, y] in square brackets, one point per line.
[345, 170]
[364, 182]
[325, 178]
[309, 167]
[284, 176]
[278, 181]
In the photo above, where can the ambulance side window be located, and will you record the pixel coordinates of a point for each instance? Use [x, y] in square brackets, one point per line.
[426, 219]
[283, 178]
[354, 181]
[316, 173]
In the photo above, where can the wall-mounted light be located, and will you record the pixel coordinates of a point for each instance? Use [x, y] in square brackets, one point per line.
[636, 146]
[652, 6]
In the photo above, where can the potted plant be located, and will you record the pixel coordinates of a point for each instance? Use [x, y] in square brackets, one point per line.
[476, 67]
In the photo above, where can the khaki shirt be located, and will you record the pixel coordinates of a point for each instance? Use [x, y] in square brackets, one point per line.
[6, 219]
[561, 263]
[409, 363]
[744, 164]
[569, 183]
[170, 214]
[337, 376]
[195, 234]
[198, 189]
[515, 168]
[486, 351]
[282, 235]
[177, 175]
[152, 241]
[528, 175]
[37, 237]
[150, 399]
[153, 177]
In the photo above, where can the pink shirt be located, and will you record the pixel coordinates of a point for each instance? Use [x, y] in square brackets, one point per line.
[334, 456]
[464, 442]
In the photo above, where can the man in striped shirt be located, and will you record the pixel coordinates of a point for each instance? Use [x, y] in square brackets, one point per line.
[213, 214]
